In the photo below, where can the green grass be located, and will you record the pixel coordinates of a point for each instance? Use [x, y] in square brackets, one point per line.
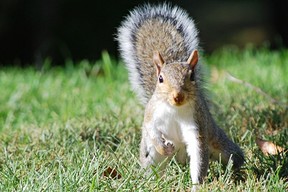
[61, 129]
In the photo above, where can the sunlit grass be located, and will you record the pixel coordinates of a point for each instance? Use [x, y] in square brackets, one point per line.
[62, 128]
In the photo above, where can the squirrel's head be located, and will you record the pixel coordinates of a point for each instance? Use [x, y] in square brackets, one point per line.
[176, 81]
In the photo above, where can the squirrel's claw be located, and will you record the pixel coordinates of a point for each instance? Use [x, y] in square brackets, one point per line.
[165, 147]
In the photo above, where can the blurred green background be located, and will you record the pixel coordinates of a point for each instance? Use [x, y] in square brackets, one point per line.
[32, 30]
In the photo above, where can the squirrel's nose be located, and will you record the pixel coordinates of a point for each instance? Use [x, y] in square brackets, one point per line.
[178, 97]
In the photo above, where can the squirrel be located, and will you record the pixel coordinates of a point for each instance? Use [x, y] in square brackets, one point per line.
[159, 46]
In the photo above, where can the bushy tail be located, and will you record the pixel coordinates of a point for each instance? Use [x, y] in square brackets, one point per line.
[164, 28]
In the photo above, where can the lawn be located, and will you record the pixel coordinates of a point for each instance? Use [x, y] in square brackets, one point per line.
[77, 128]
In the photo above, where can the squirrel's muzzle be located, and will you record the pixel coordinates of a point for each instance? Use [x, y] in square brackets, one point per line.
[178, 98]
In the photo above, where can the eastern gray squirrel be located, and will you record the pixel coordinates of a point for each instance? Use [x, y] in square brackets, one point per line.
[159, 47]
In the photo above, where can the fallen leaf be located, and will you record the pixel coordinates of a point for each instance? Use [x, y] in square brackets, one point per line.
[109, 172]
[268, 148]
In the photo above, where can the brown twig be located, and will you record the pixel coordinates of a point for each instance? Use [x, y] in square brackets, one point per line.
[256, 89]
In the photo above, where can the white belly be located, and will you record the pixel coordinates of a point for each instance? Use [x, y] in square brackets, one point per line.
[175, 123]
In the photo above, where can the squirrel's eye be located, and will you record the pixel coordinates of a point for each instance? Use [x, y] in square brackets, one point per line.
[160, 79]
[192, 76]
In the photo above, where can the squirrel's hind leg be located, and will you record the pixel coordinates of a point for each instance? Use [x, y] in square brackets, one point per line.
[219, 143]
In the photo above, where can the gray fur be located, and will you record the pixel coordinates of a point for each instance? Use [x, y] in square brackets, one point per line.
[175, 16]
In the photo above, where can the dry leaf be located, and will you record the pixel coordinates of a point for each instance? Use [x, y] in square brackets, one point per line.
[109, 172]
[268, 148]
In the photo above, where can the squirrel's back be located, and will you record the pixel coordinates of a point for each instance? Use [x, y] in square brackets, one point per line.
[147, 29]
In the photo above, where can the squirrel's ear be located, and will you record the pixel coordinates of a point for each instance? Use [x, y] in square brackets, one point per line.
[193, 59]
[158, 61]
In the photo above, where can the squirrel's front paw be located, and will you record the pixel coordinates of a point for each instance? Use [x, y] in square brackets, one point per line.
[169, 147]
[165, 147]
